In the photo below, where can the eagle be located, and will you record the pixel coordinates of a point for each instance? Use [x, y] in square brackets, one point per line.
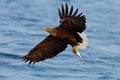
[69, 32]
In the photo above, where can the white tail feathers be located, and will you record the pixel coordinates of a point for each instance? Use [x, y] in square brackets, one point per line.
[84, 43]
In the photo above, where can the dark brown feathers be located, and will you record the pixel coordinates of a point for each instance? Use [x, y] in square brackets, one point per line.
[70, 20]
[48, 48]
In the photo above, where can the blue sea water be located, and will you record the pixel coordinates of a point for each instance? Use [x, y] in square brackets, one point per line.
[21, 22]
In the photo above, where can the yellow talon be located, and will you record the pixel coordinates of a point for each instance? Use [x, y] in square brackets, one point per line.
[74, 49]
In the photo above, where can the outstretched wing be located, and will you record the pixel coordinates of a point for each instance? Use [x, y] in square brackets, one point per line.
[48, 48]
[70, 20]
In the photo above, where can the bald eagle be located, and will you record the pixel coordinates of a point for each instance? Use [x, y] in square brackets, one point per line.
[69, 32]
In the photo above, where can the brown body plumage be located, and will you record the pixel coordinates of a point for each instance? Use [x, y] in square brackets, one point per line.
[66, 33]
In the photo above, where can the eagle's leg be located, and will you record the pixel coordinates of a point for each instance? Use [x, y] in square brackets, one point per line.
[75, 50]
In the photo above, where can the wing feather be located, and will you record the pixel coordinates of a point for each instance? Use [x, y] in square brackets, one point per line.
[63, 11]
[48, 48]
[60, 15]
[72, 21]
[75, 12]
[71, 10]
[66, 9]
[79, 14]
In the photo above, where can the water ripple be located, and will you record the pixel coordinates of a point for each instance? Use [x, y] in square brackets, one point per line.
[9, 56]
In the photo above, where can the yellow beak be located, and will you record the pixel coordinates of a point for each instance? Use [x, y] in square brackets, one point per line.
[43, 29]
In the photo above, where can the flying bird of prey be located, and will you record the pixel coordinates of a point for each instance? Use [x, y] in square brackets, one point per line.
[69, 32]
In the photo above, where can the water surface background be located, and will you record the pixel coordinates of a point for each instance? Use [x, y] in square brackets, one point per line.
[21, 22]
